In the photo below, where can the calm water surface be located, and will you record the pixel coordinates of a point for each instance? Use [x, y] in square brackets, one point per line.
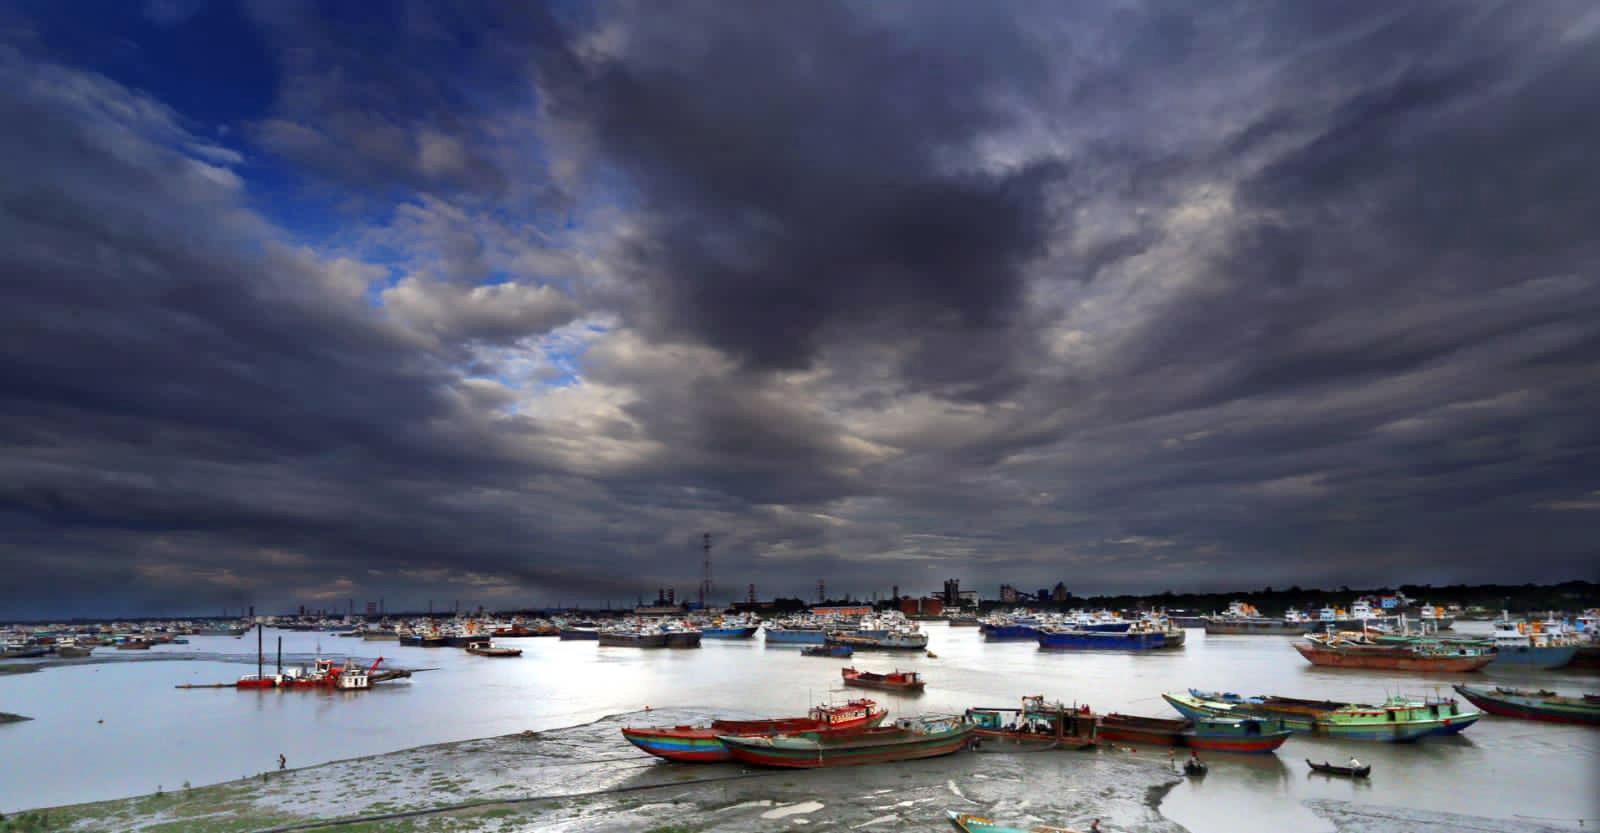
[154, 735]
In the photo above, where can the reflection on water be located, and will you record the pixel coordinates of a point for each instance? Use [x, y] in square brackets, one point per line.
[156, 735]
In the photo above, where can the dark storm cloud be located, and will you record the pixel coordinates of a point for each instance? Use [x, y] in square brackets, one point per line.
[880, 294]
[809, 174]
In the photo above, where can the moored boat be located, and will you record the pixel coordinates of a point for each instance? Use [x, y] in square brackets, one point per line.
[1534, 705]
[1037, 723]
[1397, 719]
[1075, 639]
[908, 739]
[719, 632]
[699, 744]
[1534, 645]
[579, 631]
[1213, 733]
[904, 681]
[487, 649]
[633, 638]
[840, 651]
[1345, 651]
[891, 641]
[969, 823]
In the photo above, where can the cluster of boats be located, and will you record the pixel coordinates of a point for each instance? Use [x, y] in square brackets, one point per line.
[1546, 645]
[1084, 630]
[852, 733]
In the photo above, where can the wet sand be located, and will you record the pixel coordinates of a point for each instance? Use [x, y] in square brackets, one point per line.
[586, 778]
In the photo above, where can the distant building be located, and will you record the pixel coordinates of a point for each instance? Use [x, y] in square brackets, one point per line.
[1043, 595]
[926, 606]
[1008, 594]
[969, 598]
[952, 592]
[1059, 594]
[841, 610]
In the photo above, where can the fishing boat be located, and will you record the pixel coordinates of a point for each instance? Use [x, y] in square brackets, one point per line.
[131, 644]
[827, 651]
[1344, 650]
[1334, 769]
[486, 649]
[1218, 734]
[699, 744]
[1397, 719]
[968, 823]
[909, 682]
[1243, 618]
[908, 739]
[1534, 705]
[579, 631]
[1074, 639]
[721, 632]
[633, 637]
[962, 620]
[1037, 723]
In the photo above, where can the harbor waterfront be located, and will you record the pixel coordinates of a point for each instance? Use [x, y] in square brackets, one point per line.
[1498, 769]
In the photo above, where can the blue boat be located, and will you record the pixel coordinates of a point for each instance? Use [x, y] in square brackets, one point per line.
[1008, 632]
[1084, 640]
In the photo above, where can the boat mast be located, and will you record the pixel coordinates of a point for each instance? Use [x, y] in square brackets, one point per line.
[259, 647]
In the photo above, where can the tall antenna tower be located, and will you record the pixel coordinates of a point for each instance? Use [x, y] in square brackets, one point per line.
[705, 579]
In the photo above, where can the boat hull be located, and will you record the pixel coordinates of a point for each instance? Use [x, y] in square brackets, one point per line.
[1241, 627]
[582, 634]
[1391, 660]
[1010, 633]
[729, 633]
[1349, 722]
[863, 748]
[1529, 657]
[1529, 707]
[700, 744]
[636, 640]
[1101, 640]
[783, 636]
[1191, 738]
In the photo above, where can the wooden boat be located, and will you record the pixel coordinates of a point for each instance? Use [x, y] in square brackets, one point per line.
[908, 739]
[1396, 719]
[1534, 705]
[1218, 734]
[485, 649]
[699, 744]
[897, 680]
[1194, 766]
[1331, 769]
[134, 645]
[968, 823]
[1337, 651]
[1037, 723]
[827, 651]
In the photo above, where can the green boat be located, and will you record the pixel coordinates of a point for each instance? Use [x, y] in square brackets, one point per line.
[968, 823]
[908, 739]
[1397, 719]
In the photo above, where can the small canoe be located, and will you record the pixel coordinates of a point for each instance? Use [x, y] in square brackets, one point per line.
[1332, 769]
[909, 682]
[968, 823]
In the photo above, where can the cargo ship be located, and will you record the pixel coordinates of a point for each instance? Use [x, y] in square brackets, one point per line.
[1243, 618]
[908, 739]
[906, 682]
[1534, 644]
[1353, 651]
[1397, 719]
[795, 632]
[1083, 640]
[699, 744]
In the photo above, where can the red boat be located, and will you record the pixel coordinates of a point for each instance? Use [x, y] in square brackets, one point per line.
[1217, 734]
[1345, 652]
[897, 680]
[514, 630]
[699, 744]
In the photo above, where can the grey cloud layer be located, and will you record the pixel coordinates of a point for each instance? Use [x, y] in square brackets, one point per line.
[1136, 299]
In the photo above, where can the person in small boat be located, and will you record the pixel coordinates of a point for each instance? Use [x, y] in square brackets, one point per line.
[1354, 764]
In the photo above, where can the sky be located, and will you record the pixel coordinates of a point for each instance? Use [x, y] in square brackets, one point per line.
[507, 304]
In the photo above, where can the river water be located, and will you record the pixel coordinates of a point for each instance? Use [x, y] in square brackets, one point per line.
[120, 728]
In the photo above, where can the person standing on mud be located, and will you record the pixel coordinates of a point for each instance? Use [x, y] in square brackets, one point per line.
[282, 762]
